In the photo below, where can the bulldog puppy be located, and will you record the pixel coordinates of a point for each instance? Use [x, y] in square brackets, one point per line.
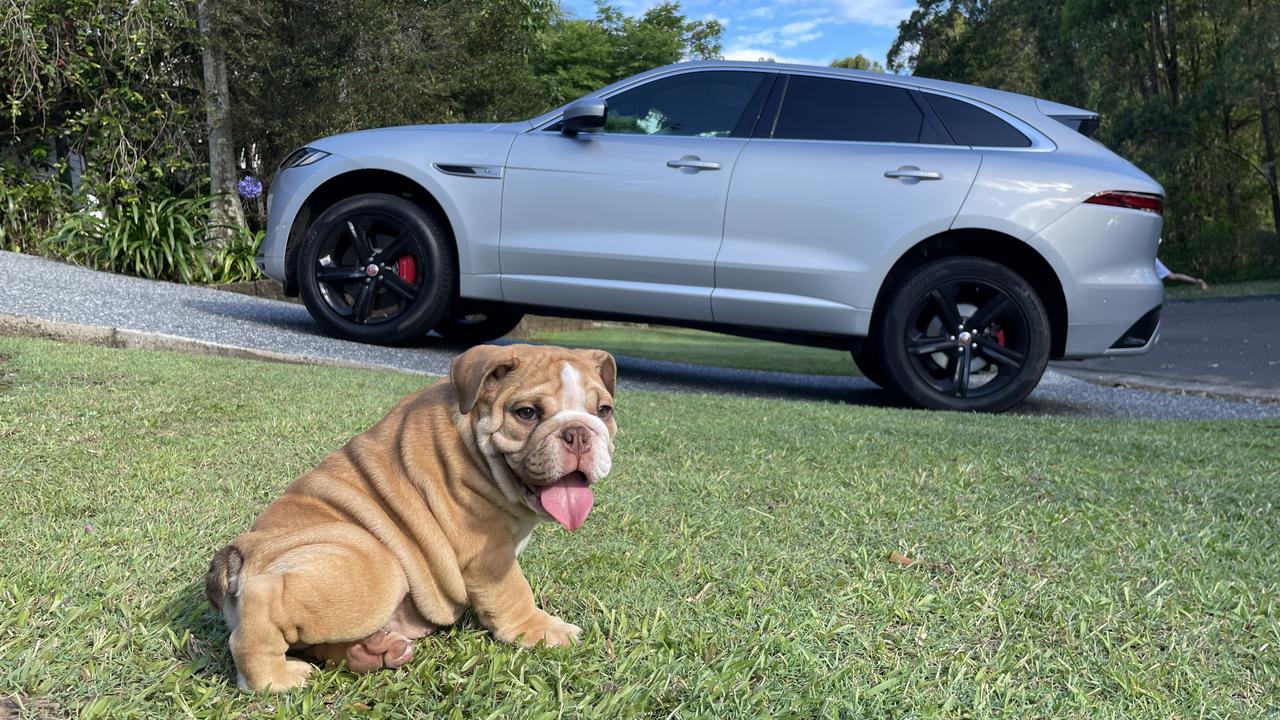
[420, 517]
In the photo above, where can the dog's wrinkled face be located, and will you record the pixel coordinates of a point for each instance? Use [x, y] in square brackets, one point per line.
[542, 417]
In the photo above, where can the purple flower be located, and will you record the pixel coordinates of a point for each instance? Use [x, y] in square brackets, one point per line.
[250, 187]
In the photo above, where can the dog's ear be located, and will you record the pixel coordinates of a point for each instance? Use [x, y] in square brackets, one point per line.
[472, 368]
[606, 367]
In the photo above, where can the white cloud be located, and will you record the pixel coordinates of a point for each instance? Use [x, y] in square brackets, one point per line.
[784, 37]
[761, 13]
[881, 13]
[739, 52]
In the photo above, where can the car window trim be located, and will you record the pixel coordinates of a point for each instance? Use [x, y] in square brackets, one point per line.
[925, 111]
[1039, 141]
[560, 114]
[751, 114]
[931, 117]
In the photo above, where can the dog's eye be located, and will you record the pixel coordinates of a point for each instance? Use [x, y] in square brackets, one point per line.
[526, 413]
[604, 411]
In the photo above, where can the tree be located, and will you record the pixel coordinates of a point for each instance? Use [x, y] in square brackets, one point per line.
[858, 62]
[228, 214]
[581, 55]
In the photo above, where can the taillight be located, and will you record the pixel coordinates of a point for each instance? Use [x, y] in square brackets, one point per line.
[1131, 200]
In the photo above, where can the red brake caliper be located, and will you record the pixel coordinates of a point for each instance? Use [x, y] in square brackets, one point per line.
[998, 334]
[407, 269]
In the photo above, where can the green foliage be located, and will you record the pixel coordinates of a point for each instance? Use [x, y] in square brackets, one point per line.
[233, 261]
[1189, 91]
[115, 80]
[858, 62]
[151, 238]
[158, 238]
[581, 55]
[29, 211]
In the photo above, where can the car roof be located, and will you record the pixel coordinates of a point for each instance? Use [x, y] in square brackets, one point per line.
[1003, 99]
[1025, 107]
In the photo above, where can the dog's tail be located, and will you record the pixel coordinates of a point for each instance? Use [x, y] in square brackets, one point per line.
[223, 577]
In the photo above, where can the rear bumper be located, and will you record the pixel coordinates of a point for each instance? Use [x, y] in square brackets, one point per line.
[1105, 258]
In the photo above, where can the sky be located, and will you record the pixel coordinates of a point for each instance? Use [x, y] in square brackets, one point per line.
[811, 32]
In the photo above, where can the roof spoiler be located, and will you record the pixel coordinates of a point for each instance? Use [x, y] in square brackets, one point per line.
[1085, 122]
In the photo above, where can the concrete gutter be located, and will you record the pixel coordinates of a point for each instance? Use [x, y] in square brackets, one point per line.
[124, 338]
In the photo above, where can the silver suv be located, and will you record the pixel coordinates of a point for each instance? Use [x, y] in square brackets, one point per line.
[953, 238]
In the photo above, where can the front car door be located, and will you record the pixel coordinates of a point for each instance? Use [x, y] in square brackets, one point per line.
[851, 171]
[628, 220]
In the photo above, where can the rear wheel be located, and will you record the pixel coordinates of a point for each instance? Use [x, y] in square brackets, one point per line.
[377, 268]
[474, 325]
[963, 333]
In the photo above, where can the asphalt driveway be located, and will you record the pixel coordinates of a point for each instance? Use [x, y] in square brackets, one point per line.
[45, 297]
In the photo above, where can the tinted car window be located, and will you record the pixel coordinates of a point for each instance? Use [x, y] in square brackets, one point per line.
[701, 104]
[817, 108]
[971, 125]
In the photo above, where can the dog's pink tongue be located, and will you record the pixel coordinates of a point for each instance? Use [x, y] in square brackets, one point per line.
[569, 501]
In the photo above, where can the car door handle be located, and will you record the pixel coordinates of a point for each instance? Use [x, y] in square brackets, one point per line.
[694, 163]
[911, 172]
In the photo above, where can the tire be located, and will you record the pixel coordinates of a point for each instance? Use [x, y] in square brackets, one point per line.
[377, 268]
[472, 326]
[867, 358]
[930, 314]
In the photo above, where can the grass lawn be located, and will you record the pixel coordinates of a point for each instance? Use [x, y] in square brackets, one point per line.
[1184, 291]
[736, 565]
[657, 342]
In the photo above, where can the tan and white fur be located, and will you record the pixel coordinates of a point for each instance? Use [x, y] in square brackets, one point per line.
[420, 517]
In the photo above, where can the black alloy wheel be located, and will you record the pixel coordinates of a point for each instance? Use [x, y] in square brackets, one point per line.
[964, 333]
[377, 268]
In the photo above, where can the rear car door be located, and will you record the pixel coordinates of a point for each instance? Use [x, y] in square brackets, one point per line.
[628, 220]
[850, 172]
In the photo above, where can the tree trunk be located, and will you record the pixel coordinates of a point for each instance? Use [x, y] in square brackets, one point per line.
[228, 215]
[1269, 165]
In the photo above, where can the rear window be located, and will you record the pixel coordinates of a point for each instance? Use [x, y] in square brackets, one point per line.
[971, 125]
[817, 108]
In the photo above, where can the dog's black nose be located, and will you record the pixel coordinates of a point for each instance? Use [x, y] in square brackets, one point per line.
[577, 438]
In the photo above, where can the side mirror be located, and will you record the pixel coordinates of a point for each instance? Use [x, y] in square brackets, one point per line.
[584, 115]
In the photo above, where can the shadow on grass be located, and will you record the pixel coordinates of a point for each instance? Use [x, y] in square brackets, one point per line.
[199, 634]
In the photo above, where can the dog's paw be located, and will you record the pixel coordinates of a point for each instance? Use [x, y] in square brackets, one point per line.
[288, 674]
[551, 631]
[561, 633]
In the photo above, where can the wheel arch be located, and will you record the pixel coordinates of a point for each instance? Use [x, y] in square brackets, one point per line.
[998, 247]
[357, 182]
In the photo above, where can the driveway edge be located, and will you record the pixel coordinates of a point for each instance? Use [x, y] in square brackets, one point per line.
[124, 338]
[1180, 387]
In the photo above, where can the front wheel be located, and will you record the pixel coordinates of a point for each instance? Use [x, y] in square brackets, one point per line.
[377, 268]
[963, 333]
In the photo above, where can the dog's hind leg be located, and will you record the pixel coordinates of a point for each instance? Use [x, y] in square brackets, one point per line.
[316, 594]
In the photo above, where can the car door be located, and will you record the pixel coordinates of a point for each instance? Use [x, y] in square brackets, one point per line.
[851, 172]
[629, 220]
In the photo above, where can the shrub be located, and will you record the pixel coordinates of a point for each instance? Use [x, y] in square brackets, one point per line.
[29, 212]
[233, 262]
[158, 239]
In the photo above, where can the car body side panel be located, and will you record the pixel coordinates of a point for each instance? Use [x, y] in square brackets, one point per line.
[601, 222]
[808, 223]
[1019, 193]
